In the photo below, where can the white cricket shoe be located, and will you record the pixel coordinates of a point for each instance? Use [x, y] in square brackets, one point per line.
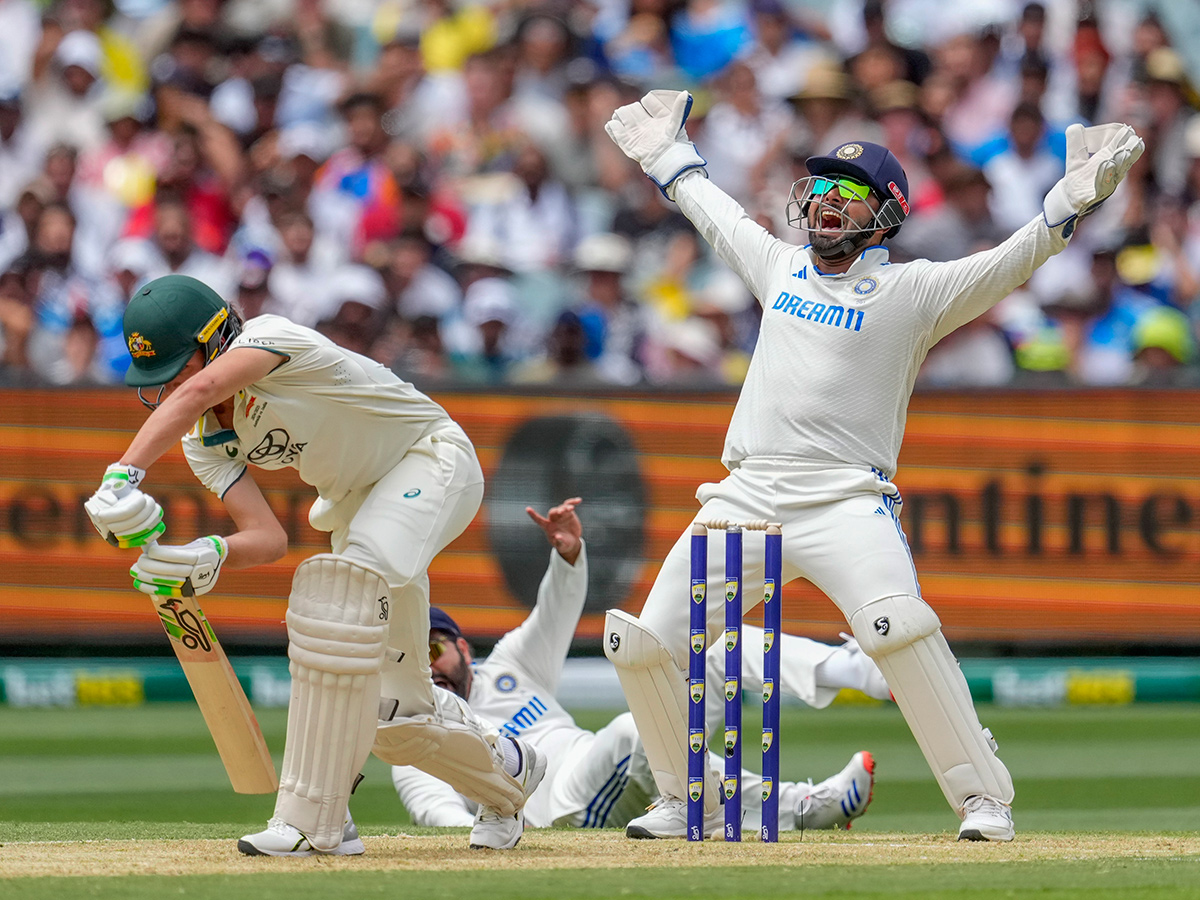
[493, 831]
[282, 839]
[668, 818]
[986, 819]
[839, 799]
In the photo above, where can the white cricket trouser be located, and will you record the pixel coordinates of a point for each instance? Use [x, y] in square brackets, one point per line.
[397, 526]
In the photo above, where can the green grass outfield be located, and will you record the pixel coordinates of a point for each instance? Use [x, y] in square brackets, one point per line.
[151, 773]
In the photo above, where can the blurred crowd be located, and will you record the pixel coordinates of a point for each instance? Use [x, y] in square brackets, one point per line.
[428, 182]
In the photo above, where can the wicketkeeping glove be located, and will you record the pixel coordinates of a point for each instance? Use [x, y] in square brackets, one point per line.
[1097, 159]
[651, 133]
[180, 571]
[121, 512]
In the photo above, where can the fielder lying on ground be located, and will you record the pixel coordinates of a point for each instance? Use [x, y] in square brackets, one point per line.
[601, 779]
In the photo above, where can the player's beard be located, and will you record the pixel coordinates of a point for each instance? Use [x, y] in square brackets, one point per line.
[457, 679]
[834, 246]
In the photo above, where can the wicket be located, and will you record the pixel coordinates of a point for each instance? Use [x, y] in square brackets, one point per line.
[772, 648]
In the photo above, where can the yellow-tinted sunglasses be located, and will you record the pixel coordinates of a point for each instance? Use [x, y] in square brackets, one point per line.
[437, 648]
[847, 187]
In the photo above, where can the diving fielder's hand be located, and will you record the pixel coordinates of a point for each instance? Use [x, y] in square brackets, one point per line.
[1097, 159]
[122, 513]
[651, 133]
[169, 571]
[563, 528]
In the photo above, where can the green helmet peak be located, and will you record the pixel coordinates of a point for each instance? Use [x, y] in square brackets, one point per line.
[167, 321]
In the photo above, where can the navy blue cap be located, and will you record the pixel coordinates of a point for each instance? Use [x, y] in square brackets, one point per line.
[440, 621]
[875, 166]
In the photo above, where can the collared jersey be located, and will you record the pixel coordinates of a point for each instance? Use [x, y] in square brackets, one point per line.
[342, 420]
[837, 355]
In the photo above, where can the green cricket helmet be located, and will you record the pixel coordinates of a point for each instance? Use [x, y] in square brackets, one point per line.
[167, 321]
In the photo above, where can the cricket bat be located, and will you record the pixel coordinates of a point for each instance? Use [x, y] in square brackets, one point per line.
[220, 696]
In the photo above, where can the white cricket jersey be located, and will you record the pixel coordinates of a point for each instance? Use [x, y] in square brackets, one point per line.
[837, 355]
[342, 420]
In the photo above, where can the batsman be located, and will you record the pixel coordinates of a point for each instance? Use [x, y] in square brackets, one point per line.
[397, 479]
[816, 432]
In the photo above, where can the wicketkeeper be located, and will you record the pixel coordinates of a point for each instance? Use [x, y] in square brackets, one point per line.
[816, 432]
[601, 779]
[397, 479]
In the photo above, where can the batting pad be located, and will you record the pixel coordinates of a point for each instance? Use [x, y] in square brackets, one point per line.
[904, 637]
[656, 692]
[337, 625]
[455, 746]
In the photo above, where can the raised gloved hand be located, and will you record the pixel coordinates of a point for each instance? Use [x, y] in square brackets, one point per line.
[651, 133]
[121, 512]
[173, 571]
[1097, 159]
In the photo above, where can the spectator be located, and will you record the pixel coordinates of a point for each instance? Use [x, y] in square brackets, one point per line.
[20, 153]
[1163, 347]
[565, 361]
[614, 325]
[417, 286]
[780, 54]
[1027, 170]
[65, 102]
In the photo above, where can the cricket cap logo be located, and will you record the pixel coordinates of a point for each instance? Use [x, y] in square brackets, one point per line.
[696, 739]
[695, 789]
[698, 640]
[140, 346]
[697, 690]
[849, 151]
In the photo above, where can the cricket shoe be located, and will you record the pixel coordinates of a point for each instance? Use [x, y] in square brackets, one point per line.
[839, 799]
[668, 818]
[493, 831]
[986, 819]
[282, 839]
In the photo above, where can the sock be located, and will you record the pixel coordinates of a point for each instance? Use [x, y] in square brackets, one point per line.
[847, 668]
[512, 756]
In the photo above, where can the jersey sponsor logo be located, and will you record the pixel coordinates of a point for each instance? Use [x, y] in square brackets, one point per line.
[865, 286]
[525, 718]
[820, 313]
[506, 683]
[276, 446]
[140, 346]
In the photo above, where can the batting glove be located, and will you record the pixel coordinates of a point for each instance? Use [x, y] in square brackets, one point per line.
[123, 514]
[651, 133]
[1097, 159]
[192, 569]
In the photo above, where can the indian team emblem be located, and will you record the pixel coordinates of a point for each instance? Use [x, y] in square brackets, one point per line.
[695, 789]
[731, 688]
[768, 591]
[768, 787]
[768, 689]
[731, 591]
[696, 739]
[768, 639]
[731, 786]
[731, 639]
[697, 690]
[849, 151]
[698, 640]
[699, 589]
[768, 738]
[865, 286]
[731, 739]
[140, 346]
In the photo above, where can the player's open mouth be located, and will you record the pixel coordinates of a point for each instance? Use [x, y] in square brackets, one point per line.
[831, 221]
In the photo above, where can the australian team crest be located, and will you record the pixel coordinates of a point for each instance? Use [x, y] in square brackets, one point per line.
[696, 739]
[768, 639]
[768, 591]
[695, 789]
[731, 786]
[731, 739]
[731, 688]
[698, 640]
[140, 346]
[697, 690]
[731, 591]
[768, 786]
[731, 639]
[699, 589]
[768, 689]
[768, 738]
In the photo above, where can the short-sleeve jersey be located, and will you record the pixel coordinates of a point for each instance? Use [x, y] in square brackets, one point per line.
[342, 420]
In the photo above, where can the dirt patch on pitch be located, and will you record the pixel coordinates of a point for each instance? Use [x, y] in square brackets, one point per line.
[572, 850]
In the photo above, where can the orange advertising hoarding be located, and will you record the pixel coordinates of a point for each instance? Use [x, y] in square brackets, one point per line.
[1034, 518]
